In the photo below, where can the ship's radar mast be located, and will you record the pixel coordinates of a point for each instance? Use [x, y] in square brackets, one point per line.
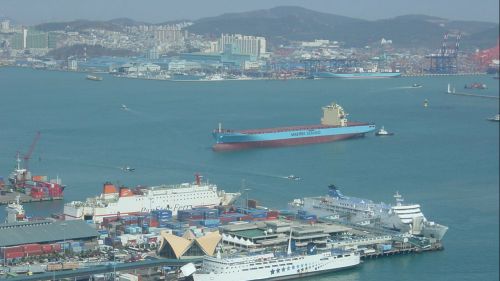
[334, 115]
[399, 199]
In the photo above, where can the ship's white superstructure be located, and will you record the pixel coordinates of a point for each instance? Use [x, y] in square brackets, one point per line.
[402, 217]
[273, 267]
[15, 211]
[409, 218]
[345, 206]
[125, 201]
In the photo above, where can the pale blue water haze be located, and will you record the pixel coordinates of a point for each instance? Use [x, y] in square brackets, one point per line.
[445, 157]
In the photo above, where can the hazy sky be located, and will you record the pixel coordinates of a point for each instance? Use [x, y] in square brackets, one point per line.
[37, 11]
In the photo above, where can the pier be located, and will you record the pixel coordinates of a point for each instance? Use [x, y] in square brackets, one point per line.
[9, 197]
[442, 74]
[402, 251]
[474, 95]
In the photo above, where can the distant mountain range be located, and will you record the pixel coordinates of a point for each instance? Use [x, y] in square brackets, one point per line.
[289, 23]
[295, 23]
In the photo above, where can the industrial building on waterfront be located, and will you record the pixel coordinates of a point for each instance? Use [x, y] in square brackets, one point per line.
[23, 239]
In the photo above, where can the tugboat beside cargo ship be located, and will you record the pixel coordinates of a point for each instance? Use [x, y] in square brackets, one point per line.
[334, 126]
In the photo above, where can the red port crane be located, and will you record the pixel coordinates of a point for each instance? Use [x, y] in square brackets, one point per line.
[27, 156]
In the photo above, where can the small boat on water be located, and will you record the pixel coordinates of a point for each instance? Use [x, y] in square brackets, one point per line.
[416, 85]
[293, 177]
[382, 132]
[124, 107]
[128, 169]
[495, 118]
[94, 78]
[426, 103]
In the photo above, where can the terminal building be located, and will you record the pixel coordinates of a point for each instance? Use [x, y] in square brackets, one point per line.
[260, 235]
[188, 246]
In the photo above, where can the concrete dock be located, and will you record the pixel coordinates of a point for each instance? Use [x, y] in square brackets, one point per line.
[9, 197]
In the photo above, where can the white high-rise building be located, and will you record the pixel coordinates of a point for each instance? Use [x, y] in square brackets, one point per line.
[25, 38]
[247, 45]
[5, 26]
[169, 33]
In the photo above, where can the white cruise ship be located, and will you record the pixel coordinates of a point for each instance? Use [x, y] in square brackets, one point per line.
[409, 218]
[125, 201]
[273, 267]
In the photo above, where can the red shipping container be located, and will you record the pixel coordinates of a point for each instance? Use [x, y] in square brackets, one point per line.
[272, 218]
[32, 247]
[107, 220]
[13, 249]
[273, 213]
[14, 255]
[152, 239]
[153, 223]
[47, 248]
[245, 218]
[227, 219]
[33, 253]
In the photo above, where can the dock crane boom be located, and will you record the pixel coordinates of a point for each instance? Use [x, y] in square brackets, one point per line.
[27, 156]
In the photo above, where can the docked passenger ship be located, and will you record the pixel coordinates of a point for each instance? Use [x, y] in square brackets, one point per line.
[126, 201]
[273, 267]
[409, 218]
[401, 217]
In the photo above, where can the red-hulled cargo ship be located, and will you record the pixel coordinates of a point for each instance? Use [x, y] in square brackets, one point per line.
[334, 126]
[38, 187]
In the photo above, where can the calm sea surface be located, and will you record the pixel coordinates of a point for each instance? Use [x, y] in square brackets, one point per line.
[445, 157]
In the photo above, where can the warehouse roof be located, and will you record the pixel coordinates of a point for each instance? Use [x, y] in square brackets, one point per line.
[46, 231]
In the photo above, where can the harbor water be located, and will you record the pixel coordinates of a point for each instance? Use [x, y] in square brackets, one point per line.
[444, 156]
